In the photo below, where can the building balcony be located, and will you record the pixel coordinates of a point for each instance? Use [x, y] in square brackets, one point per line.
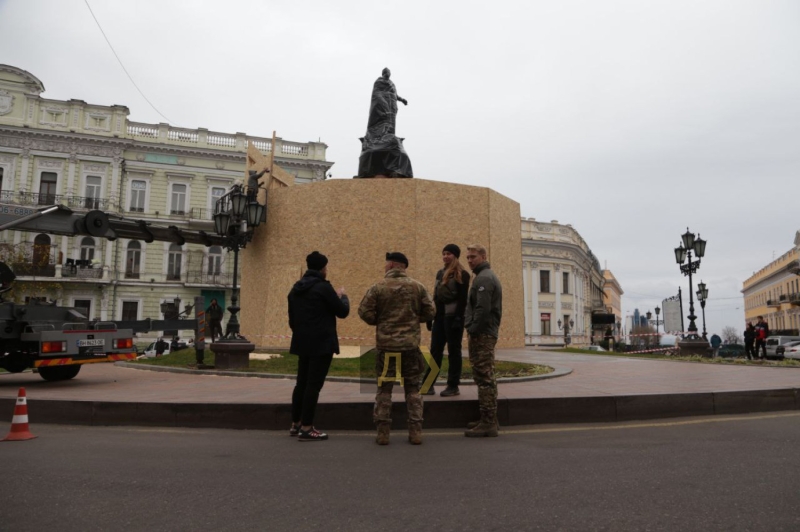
[794, 299]
[773, 303]
[37, 199]
[214, 278]
[203, 138]
[81, 270]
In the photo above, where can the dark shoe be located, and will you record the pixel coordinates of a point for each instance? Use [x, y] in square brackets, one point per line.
[450, 392]
[311, 435]
[473, 424]
[294, 430]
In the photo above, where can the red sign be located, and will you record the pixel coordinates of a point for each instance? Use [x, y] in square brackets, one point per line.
[545, 317]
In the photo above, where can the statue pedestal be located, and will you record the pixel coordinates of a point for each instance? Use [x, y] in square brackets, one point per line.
[233, 354]
[354, 222]
[694, 346]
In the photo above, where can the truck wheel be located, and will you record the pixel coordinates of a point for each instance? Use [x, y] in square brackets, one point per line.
[14, 364]
[59, 373]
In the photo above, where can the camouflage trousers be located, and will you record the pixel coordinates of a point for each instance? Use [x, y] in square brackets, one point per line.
[481, 357]
[412, 364]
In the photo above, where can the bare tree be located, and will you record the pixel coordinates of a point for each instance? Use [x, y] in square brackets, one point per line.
[730, 335]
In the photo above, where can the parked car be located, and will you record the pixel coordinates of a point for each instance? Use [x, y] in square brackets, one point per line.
[789, 350]
[773, 342]
[150, 350]
[731, 351]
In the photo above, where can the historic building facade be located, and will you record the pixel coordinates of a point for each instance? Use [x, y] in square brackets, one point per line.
[563, 282]
[612, 299]
[90, 157]
[774, 292]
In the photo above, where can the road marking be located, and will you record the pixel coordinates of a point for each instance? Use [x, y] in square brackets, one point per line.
[603, 427]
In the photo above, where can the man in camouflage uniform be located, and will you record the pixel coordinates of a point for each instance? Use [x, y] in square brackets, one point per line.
[482, 321]
[396, 306]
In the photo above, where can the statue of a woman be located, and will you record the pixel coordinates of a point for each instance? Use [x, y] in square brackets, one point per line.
[382, 153]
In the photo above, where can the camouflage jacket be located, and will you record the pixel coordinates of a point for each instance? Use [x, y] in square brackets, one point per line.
[396, 306]
[485, 304]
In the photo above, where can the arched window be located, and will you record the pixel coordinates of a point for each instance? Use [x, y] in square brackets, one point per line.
[174, 259]
[41, 250]
[133, 259]
[214, 260]
[87, 250]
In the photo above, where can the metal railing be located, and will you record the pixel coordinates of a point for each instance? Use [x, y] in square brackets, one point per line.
[196, 213]
[80, 202]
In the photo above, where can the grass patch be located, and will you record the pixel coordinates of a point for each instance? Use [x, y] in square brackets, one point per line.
[787, 362]
[363, 367]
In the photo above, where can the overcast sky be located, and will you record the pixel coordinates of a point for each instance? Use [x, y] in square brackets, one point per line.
[629, 120]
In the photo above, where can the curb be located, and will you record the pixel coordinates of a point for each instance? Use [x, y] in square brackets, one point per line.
[439, 414]
[558, 371]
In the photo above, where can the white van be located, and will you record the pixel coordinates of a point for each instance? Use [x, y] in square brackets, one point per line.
[150, 350]
[774, 341]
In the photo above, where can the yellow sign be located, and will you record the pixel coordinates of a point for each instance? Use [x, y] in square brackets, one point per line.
[432, 375]
[398, 375]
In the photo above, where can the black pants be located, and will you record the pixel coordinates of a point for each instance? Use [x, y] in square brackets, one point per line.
[761, 344]
[311, 373]
[216, 329]
[441, 335]
[749, 351]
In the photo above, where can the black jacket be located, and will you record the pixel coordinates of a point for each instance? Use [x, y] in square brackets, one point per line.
[452, 292]
[313, 309]
[485, 303]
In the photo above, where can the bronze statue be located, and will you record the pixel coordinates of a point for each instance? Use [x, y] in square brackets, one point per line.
[382, 153]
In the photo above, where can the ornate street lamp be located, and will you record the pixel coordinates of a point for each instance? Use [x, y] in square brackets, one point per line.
[566, 329]
[658, 311]
[702, 296]
[236, 215]
[683, 253]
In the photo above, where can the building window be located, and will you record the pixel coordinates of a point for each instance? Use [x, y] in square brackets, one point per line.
[545, 324]
[178, 201]
[214, 260]
[92, 199]
[216, 194]
[544, 281]
[84, 306]
[138, 191]
[174, 262]
[130, 310]
[87, 250]
[47, 188]
[565, 286]
[133, 260]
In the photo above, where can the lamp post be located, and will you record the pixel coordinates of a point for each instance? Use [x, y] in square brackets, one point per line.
[702, 296]
[566, 329]
[658, 311]
[683, 253]
[236, 216]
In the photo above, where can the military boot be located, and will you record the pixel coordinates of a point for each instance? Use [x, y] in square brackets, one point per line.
[487, 427]
[383, 434]
[415, 433]
[473, 424]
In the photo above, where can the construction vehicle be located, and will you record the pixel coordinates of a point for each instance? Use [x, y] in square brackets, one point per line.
[57, 341]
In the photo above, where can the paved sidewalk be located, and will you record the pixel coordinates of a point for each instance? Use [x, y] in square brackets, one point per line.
[599, 388]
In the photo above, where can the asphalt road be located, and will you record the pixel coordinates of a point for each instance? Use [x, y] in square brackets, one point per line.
[720, 473]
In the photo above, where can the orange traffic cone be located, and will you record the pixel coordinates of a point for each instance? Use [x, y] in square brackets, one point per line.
[19, 423]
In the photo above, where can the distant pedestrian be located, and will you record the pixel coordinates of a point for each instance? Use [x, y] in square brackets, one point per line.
[313, 308]
[397, 306]
[450, 296]
[749, 340]
[762, 331]
[484, 310]
[716, 341]
[161, 346]
[214, 316]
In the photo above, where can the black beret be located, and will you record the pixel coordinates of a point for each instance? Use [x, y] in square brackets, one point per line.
[316, 261]
[396, 256]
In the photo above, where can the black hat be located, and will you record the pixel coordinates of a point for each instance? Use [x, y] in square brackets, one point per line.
[452, 248]
[316, 261]
[396, 256]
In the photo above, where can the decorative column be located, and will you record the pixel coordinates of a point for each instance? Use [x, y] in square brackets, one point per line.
[23, 174]
[537, 322]
[558, 284]
[73, 159]
[116, 164]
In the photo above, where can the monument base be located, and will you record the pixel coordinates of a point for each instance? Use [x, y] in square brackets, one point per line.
[354, 222]
[233, 354]
[694, 347]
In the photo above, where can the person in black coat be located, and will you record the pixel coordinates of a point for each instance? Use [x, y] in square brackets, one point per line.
[313, 308]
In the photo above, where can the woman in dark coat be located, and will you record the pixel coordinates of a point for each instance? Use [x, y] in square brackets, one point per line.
[313, 308]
